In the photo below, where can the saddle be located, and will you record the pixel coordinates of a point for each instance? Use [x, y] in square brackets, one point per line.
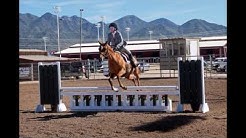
[125, 56]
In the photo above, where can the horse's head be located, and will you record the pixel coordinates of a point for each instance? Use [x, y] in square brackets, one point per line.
[104, 48]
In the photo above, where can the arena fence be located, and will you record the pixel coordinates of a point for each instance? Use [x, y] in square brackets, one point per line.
[91, 69]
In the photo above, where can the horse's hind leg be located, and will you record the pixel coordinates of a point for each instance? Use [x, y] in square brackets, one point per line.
[133, 80]
[120, 83]
[138, 80]
[136, 74]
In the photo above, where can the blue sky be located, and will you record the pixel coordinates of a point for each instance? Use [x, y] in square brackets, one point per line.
[177, 11]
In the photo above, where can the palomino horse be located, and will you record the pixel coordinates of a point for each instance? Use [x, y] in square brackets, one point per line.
[118, 67]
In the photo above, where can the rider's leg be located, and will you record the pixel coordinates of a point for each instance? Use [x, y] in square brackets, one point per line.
[129, 53]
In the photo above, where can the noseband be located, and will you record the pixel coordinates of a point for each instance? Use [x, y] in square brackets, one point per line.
[105, 53]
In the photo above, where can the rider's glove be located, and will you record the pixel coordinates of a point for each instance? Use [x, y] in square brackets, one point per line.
[116, 48]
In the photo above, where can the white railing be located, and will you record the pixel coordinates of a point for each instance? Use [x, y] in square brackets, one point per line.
[136, 98]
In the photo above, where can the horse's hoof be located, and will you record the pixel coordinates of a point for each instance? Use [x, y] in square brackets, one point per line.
[124, 88]
[115, 89]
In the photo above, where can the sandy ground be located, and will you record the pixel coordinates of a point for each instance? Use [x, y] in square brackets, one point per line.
[124, 124]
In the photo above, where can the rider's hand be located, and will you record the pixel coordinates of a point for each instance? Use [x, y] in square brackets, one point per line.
[116, 48]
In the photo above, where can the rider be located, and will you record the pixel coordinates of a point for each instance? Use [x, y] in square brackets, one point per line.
[115, 40]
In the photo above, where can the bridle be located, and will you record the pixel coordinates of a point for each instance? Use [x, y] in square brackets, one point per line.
[105, 53]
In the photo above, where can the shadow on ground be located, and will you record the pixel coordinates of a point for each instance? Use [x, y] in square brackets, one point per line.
[168, 123]
[61, 116]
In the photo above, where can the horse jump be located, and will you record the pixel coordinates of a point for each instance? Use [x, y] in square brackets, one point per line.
[100, 99]
[150, 98]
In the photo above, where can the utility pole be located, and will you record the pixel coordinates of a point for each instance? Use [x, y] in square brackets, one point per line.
[45, 38]
[103, 26]
[80, 33]
[150, 32]
[128, 30]
[98, 26]
[57, 10]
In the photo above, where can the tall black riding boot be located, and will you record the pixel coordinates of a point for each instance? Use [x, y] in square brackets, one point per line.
[133, 61]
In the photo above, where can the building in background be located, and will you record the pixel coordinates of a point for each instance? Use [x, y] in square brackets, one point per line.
[29, 59]
[215, 46]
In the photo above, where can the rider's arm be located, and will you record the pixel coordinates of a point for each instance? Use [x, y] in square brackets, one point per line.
[119, 39]
[109, 38]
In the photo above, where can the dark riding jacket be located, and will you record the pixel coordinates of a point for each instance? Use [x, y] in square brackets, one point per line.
[115, 40]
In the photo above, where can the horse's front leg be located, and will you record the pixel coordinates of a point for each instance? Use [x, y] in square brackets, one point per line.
[120, 83]
[111, 83]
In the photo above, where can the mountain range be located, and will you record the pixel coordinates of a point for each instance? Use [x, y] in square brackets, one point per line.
[32, 30]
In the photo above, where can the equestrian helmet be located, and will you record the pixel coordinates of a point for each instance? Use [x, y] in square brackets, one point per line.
[113, 25]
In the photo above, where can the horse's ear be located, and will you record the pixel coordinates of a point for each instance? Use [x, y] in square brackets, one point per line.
[100, 42]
